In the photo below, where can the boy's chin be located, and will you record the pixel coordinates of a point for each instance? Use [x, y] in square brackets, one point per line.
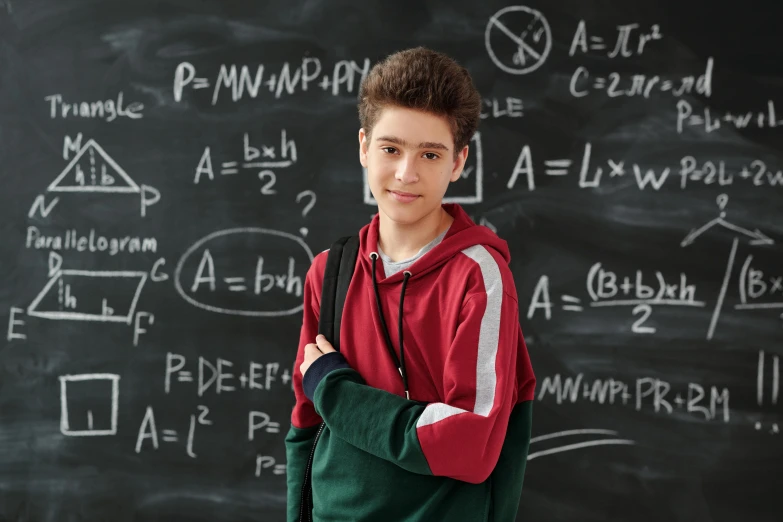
[401, 216]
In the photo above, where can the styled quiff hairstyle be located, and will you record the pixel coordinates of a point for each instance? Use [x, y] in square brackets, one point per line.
[426, 80]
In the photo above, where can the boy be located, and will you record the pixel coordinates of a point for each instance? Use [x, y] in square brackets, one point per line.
[428, 405]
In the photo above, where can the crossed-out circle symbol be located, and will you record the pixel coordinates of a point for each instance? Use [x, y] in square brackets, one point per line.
[522, 52]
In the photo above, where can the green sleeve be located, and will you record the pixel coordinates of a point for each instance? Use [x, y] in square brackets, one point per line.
[509, 474]
[376, 421]
[298, 444]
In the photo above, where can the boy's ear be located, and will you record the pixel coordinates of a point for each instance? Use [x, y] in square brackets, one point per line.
[459, 164]
[363, 147]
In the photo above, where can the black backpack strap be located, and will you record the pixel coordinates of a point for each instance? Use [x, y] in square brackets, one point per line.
[347, 267]
[329, 290]
[340, 265]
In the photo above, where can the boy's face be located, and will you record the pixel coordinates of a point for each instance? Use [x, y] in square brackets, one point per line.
[411, 152]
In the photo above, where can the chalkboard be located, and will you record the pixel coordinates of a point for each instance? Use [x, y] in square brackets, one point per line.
[169, 170]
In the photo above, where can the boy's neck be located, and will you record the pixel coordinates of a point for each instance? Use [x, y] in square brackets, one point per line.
[401, 242]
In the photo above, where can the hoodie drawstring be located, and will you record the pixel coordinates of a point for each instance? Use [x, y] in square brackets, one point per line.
[400, 363]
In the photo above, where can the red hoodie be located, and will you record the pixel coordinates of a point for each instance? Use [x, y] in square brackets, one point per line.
[466, 366]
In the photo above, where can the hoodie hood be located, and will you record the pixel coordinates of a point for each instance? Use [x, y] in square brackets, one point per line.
[462, 234]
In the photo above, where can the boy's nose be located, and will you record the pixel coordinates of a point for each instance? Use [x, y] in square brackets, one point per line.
[406, 172]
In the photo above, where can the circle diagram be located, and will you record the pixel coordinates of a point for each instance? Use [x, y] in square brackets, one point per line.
[518, 39]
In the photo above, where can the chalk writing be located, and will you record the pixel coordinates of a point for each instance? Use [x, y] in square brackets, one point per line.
[616, 84]
[211, 274]
[630, 41]
[710, 122]
[246, 81]
[261, 159]
[220, 376]
[592, 173]
[709, 403]
[108, 110]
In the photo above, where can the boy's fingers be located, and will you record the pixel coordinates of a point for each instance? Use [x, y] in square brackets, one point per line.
[324, 345]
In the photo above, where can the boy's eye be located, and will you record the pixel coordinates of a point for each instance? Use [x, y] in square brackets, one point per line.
[389, 150]
[431, 155]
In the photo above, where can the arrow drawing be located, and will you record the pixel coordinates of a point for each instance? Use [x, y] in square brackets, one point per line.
[757, 237]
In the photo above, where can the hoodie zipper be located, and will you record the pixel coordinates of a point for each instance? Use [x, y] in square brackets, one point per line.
[307, 479]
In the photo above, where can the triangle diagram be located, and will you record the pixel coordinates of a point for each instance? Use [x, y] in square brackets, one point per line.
[92, 170]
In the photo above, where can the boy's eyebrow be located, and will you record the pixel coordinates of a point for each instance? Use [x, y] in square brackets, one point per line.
[403, 143]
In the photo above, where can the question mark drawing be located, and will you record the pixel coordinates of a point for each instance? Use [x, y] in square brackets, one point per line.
[306, 209]
[722, 200]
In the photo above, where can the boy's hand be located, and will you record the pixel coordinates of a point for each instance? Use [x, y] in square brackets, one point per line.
[315, 350]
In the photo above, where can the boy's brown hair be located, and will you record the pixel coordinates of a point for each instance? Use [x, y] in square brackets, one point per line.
[425, 80]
